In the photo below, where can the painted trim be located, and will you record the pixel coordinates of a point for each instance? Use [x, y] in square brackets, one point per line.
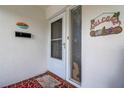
[59, 12]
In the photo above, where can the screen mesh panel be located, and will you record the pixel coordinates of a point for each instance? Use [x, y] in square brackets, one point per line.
[56, 39]
[76, 44]
[56, 29]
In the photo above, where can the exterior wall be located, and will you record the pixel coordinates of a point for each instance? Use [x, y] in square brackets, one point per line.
[103, 64]
[22, 58]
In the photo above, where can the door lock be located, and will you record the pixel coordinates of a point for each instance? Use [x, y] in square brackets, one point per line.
[64, 45]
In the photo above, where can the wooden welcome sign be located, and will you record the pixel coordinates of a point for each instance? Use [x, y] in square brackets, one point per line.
[111, 21]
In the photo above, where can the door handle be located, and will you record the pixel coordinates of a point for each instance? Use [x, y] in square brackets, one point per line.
[64, 45]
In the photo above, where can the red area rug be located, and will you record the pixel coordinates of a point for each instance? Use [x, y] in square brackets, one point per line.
[47, 80]
[26, 84]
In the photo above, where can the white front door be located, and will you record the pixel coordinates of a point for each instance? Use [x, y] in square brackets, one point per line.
[56, 62]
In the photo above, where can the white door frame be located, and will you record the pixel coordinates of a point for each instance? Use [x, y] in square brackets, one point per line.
[66, 31]
[62, 62]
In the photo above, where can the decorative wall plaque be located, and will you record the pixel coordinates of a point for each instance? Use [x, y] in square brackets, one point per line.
[22, 25]
[105, 24]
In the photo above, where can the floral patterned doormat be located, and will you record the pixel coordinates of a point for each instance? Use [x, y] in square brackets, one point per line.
[48, 81]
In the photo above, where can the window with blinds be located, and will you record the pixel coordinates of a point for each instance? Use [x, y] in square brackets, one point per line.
[56, 39]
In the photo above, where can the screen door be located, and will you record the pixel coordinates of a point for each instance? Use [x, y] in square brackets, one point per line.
[57, 46]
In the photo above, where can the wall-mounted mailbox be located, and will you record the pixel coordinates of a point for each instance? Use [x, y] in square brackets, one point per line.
[22, 34]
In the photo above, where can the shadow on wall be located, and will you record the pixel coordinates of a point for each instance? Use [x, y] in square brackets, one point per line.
[118, 80]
